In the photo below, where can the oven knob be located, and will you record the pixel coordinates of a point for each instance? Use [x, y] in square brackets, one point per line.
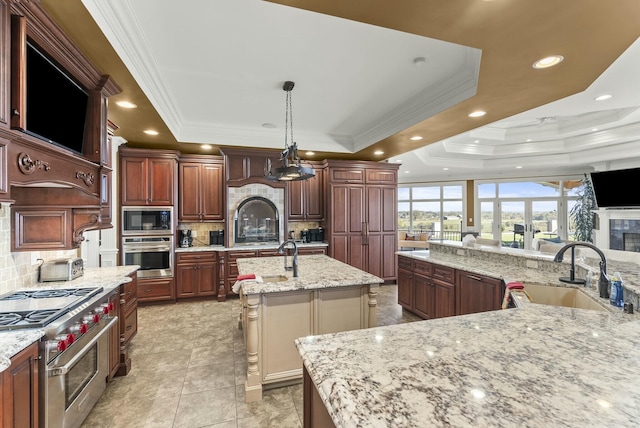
[96, 318]
[111, 306]
[103, 309]
[62, 343]
[76, 329]
[84, 328]
[70, 338]
[86, 320]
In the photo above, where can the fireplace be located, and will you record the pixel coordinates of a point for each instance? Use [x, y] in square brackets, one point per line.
[256, 221]
[254, 199]
[624, 234]
[631, 242]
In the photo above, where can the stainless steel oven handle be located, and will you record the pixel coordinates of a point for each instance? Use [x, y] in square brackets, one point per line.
[146, 249]
[62, 370]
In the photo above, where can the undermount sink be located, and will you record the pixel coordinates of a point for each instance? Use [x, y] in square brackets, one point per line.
[561, 296]
[274, 278]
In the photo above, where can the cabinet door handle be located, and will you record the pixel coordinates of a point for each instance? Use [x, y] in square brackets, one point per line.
[476, 278]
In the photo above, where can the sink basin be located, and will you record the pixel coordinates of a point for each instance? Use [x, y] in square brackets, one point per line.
[561, 296]
[274, 278]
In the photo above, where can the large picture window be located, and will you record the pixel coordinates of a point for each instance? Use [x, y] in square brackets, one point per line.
[434, 209]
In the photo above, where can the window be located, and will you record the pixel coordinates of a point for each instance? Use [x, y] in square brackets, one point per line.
[437, 209]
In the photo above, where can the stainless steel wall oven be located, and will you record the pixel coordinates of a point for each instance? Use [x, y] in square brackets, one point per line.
[152, 253]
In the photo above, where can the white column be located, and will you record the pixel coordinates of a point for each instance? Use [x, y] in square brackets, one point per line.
[253, 385]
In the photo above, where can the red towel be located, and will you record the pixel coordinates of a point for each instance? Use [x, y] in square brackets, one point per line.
[514, 285]
[247, 276]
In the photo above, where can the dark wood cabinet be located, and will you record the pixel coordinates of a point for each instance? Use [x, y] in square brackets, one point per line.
[148, 177]
[477, 293]
[425, 288]
[362, 212]
[155, 290]
[306, 197]
[405, 289]
[347, 225]
[201, 188]
[229, 269]
[19, 390]
[309, 251]
[196, 274]
[128, 323]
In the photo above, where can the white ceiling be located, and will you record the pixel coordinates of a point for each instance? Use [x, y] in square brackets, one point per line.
[570, 136]
[216, 77]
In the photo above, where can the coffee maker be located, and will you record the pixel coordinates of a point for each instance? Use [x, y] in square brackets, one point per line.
[185, 238]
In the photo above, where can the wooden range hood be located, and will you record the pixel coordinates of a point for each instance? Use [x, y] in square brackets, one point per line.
[56, 194]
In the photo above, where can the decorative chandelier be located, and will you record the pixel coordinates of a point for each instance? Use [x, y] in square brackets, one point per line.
[291, 169]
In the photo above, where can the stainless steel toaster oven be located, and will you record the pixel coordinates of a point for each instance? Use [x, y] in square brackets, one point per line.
[61, 269]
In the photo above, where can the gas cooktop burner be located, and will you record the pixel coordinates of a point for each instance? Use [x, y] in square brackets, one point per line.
[38, 308]
[29, 319]
[43, 294]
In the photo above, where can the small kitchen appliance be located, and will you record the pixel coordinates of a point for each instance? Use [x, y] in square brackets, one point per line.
[185, 238]
[61, 269]
[216, 237]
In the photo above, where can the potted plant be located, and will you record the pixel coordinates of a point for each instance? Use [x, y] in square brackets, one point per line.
[582, 214]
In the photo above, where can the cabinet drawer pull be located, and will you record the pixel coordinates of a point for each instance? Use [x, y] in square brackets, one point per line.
[129, 327]
[477, 278]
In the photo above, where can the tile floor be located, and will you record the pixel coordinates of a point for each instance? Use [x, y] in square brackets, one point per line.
[189, 367]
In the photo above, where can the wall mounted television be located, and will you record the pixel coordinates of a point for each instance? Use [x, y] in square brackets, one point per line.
[616, 189]
[56, 106]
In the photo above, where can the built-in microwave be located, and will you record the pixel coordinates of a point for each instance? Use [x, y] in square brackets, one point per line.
[147, 221]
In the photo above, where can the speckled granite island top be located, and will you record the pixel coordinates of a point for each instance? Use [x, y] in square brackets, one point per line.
[537, 367]
[316, 271]
[14, 341]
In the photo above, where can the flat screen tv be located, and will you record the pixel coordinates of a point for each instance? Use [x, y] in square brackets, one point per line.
[616, 189]
[56, 105]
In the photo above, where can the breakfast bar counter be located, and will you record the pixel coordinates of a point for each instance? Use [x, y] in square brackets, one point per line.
[531, 367]
[328, 296]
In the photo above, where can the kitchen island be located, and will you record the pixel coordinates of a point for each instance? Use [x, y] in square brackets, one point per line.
[531, 367]
[328, 296]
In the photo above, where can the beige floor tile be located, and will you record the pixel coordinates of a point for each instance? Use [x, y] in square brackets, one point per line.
[191, 374]
[206, 408]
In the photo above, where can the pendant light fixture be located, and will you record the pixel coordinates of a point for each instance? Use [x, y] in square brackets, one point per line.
[291, 169]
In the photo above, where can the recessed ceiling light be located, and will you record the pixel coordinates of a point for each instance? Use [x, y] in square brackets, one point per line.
[416, 138]
[419, 61]
[378, 152]
[126, 104]
[407, 172]
[269, 125]
[519, 167]
[476, 141]
[478, 113]
[206, 147]
[529, 140]
[594, 129]
[445, 169]
[547, 62]
[150, 132]
[603, 97]
[309, 153]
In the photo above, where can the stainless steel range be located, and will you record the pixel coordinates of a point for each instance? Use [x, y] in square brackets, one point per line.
[74, 349]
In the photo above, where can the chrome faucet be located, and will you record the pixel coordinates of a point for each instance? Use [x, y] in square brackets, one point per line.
[294, 264]
[603, 282]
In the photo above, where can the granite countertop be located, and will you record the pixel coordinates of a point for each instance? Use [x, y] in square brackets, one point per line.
[14, 341]
[246, 247]
[531, 273]
[315, 271]
[529, 367]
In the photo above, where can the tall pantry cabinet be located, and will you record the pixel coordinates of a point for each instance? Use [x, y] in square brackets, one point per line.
[362, 199]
